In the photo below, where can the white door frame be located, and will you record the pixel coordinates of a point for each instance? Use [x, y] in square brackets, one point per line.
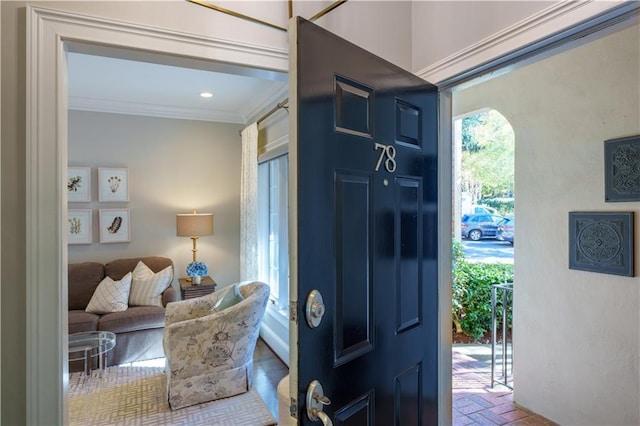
[48, 34]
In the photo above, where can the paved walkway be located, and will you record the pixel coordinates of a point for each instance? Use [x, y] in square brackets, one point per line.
[476, 403]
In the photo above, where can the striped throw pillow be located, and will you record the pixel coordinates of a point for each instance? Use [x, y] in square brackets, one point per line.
[110, 296]
[147, 286]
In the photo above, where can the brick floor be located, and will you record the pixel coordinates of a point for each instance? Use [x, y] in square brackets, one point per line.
[476, 403]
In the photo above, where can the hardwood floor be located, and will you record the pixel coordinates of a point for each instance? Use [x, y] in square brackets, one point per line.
[268, 370]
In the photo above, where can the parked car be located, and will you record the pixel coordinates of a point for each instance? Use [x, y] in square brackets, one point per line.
[506, 229]
[477, 226]
[477, 209]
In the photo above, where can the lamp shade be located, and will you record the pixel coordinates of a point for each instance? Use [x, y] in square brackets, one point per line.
[194, 224]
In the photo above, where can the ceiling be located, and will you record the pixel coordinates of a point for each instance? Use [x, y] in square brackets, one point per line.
[125, 86]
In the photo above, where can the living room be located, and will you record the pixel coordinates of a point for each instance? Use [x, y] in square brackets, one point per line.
[174, 165]
[175, 158]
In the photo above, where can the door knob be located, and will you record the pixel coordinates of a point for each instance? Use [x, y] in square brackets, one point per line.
[314, 309]
[316, 400]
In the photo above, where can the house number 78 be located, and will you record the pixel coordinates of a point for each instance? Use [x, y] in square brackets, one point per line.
[388, 155]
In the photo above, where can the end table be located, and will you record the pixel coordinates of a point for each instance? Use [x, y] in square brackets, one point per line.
[188, 290]
[90, 344]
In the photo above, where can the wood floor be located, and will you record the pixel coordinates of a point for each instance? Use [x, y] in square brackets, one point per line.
[268, 370]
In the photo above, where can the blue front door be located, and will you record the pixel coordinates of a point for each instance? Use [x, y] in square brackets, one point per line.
[364, 182]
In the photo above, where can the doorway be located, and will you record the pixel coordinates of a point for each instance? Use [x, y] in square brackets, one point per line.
[53, 144]
[549, 185]
[150, 119]
[483, 261]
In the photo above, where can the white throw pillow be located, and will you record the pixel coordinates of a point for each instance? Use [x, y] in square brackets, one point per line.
[110, 296]
[147, 286]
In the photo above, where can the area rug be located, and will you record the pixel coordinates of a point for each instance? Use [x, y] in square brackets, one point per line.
[137, 396]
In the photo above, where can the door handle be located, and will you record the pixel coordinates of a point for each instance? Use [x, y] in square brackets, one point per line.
[316, 400]
[326, 421]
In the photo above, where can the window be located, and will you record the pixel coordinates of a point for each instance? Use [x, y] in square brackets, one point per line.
[273, 229]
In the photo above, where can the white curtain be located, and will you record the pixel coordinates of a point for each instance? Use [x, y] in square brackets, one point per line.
[249, 204]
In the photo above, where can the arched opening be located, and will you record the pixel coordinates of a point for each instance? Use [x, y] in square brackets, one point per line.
[484, 201]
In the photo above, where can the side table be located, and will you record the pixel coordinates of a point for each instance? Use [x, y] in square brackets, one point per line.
[90, 344]
[188, 290]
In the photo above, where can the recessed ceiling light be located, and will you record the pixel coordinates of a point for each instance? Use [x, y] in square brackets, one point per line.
[206, 94]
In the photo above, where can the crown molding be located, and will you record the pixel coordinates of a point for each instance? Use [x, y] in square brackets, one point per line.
[78, 103]
[552, 19]
[226, 51]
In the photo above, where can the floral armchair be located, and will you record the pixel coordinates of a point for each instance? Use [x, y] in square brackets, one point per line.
[209, 352]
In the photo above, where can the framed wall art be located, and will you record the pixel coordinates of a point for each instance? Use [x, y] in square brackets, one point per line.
[601, 242]
[113, 184]
[622, 169]
[114, 226]
[79, 226]
[79, 184]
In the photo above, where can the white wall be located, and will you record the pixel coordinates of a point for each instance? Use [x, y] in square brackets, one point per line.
[381, 27]
[576, 341]
[174, 166]
[190, 18]
[460, 24]
[451, 38]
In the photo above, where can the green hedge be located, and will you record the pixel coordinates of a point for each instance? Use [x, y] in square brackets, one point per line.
[471, 303]
[504, 206]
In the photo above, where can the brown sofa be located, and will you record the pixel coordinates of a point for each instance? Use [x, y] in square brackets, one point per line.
[138, 329]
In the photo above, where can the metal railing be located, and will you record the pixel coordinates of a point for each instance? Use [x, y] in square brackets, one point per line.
[503, 303]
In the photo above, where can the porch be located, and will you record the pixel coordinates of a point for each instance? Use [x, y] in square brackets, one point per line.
[474, 401]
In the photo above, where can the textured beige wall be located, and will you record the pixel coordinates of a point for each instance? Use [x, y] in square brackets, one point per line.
[576, 337]
[174, 167]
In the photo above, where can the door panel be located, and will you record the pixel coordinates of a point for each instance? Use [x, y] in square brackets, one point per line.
[353, 329]
[353, 107]
[358, 412]
[409, 244]
[364, 163]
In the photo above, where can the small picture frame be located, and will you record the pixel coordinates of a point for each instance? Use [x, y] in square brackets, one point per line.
[622, 169]
[601, 242]
[113, 184]
[79, 226]
[114, 226]
[79, 184]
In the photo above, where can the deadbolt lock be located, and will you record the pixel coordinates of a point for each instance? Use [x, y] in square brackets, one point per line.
[314, 309]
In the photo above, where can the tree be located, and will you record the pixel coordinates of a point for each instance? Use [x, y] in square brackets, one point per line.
[487, 155]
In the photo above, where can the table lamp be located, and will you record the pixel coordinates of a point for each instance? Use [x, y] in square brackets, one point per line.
[194, 225]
